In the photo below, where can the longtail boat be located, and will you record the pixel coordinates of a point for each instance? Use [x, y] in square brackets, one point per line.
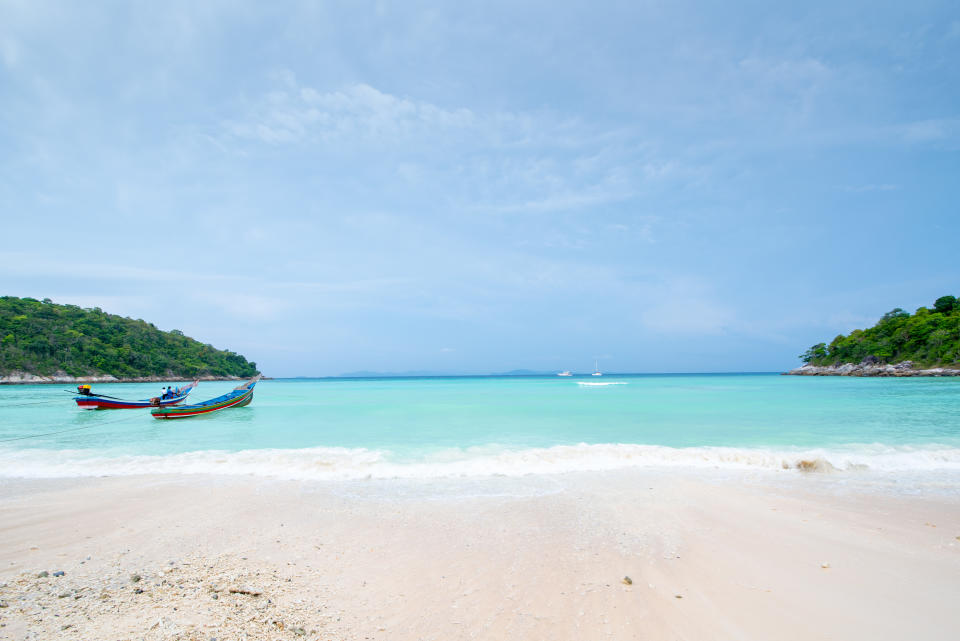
[100, 402]
[240, 396]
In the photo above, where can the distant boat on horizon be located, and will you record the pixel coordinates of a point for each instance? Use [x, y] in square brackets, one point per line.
[565, 373]
[596, 369]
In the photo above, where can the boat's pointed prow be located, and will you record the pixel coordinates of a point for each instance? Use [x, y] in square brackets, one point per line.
[249, 384]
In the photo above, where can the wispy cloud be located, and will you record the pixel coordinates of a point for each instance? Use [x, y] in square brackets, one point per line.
[496, 161]
[301, 114]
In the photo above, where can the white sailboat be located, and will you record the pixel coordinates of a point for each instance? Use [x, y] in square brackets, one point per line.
[596, 369]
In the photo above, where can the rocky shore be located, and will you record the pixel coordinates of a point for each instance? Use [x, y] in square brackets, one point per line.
[26, 378]
[905, 368]
[187, 599]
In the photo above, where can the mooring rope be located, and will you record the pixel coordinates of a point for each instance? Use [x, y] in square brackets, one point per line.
[73, 429]
[55, 400]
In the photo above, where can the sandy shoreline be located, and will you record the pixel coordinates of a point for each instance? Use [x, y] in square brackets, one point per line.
[538, 557]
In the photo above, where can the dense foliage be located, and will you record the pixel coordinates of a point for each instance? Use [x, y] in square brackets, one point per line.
[927, 337]
[40, 337]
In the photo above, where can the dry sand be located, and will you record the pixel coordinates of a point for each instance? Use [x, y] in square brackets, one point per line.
[545, 557]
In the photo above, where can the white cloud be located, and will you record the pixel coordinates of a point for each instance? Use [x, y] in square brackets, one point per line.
[496, 161]
[563, 201]
[357, 111]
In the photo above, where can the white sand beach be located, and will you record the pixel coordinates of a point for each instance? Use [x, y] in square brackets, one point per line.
[537, 557]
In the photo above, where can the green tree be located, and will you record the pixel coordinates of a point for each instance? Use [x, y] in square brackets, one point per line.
[945, 304]
[817, 352]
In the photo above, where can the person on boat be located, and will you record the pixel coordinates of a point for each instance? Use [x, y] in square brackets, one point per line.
[163, 394]
[169, 392]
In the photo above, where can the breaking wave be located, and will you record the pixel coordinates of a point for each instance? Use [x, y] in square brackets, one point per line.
[334, 463]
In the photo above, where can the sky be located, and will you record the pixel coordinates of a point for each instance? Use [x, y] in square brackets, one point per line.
[471, 187]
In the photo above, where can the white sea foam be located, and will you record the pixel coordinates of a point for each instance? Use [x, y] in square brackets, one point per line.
[356, 463]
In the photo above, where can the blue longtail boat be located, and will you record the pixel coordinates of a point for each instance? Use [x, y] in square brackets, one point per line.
[240, 396]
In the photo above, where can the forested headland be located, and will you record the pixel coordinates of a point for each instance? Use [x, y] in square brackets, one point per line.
[930, 337]
[45, 339]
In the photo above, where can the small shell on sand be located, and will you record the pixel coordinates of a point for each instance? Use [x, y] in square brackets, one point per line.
[825, 565]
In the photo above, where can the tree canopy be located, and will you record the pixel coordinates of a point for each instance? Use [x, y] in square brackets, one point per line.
[927, 337]
[43, 338]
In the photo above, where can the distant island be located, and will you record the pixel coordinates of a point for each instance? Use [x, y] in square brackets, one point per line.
[925, 343]
[41, 341]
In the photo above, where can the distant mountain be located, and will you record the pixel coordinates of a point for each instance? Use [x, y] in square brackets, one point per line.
[42, 338]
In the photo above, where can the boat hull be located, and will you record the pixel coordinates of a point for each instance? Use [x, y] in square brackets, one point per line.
[98, 403]
[186, 411]
[94, 402]
[239, 397]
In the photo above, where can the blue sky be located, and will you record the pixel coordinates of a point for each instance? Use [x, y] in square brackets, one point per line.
[476, 187]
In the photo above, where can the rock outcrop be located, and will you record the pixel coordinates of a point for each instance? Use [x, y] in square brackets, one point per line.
[865, 368]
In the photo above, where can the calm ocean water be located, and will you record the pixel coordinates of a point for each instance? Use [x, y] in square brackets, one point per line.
[476, 426]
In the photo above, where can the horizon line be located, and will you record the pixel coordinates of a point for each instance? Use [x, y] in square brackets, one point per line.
[509, 375]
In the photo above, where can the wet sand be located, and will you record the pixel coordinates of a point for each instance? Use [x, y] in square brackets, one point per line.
[537, 557]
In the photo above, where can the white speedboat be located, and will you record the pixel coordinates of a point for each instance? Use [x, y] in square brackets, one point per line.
[564, 373]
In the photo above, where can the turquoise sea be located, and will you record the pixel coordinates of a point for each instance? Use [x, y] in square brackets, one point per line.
[479, 426]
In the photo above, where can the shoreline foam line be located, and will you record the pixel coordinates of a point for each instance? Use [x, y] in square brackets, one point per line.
[338, 463]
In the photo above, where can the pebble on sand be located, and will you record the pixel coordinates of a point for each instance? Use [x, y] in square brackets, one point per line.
[825, 565]
[245, 590]
[627, 580]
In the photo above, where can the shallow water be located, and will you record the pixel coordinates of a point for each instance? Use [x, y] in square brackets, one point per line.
[477, 426]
